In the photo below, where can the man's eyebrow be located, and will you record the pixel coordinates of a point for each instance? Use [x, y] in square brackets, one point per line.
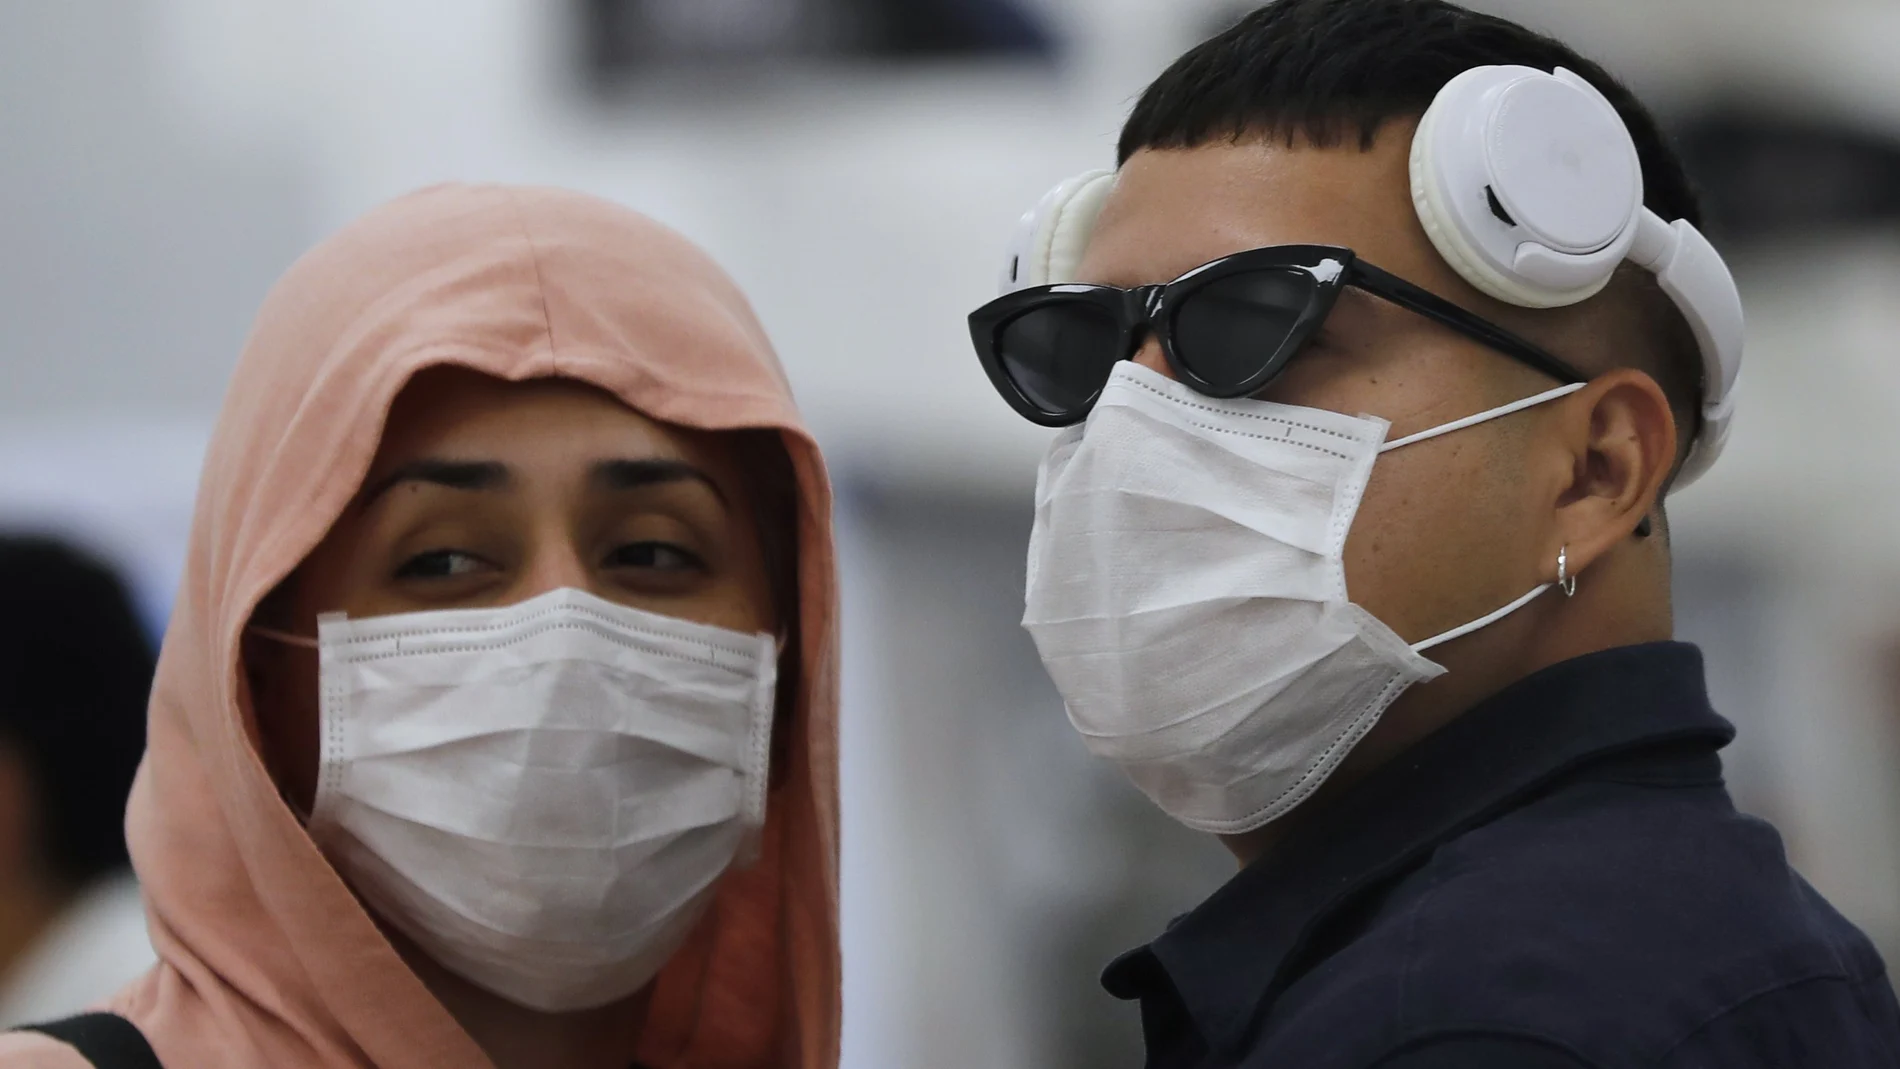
[628, 474]
[453, 474]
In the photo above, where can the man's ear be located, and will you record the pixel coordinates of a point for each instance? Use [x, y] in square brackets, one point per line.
[1622, 439]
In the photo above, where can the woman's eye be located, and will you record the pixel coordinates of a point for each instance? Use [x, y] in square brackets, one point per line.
[440, 564]
[659, 556]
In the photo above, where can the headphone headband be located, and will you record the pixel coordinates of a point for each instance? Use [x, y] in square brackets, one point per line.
[1529, 185]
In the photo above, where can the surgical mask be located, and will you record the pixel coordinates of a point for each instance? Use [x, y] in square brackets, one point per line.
[1187, 593]
[541, 797]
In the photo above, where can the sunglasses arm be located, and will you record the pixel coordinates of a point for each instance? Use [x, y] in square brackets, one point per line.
[1392, 288]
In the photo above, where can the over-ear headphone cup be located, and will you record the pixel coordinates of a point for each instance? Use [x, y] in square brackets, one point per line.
[1549, 143]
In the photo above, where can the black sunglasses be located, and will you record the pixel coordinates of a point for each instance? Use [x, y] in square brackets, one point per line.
[1227, 328]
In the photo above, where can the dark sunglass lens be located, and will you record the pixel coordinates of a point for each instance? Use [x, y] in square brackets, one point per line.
[1229, 330]
[1060, 355]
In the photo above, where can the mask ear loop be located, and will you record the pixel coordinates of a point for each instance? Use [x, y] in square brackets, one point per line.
[1486, 416]
[1565, 582]
[1481, 622]
[285, 637]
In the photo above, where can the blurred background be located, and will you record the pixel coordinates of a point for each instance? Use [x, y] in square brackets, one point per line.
[858, 165]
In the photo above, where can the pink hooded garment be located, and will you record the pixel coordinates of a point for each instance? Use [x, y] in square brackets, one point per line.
[266, 959]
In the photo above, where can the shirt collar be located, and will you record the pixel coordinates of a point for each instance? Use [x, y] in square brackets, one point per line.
[1226, 958]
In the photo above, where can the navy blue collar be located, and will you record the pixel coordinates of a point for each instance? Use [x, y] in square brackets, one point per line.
[1229, 958]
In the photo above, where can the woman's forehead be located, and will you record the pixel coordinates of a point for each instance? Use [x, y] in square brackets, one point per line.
[456, 413]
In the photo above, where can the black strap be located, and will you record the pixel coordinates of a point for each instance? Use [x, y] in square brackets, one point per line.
[107, 1040]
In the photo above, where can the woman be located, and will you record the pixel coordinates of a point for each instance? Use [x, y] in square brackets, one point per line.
[495, 724]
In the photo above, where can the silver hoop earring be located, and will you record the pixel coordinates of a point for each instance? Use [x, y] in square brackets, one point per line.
[1565, 581]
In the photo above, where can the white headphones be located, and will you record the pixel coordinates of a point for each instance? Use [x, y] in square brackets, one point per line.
[1529, 186]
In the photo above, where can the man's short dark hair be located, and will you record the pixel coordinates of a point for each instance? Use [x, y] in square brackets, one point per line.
[75, 673]
[1326, 72]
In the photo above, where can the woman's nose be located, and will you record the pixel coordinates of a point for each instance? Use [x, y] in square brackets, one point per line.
[556, 563]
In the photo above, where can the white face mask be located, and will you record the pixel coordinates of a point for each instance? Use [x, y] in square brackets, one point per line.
[1187, 593]
[542, 796]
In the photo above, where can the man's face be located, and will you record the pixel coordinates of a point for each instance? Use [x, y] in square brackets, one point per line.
[1447, 531]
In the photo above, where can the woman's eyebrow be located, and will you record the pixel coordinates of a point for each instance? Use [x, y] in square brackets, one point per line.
[453, 474]
[629, 474]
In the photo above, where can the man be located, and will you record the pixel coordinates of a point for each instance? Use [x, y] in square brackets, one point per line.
[75, 671]
[1517, 852]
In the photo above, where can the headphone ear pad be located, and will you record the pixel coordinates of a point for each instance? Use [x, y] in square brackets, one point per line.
[1051, 239]
[1074, 224]
[1444, 234]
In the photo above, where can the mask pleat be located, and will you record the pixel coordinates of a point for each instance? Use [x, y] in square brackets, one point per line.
[541, 796]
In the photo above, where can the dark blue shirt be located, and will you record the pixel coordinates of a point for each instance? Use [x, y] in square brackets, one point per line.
[1555, 880]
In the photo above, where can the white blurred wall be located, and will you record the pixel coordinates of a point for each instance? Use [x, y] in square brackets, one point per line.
[167, 158]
